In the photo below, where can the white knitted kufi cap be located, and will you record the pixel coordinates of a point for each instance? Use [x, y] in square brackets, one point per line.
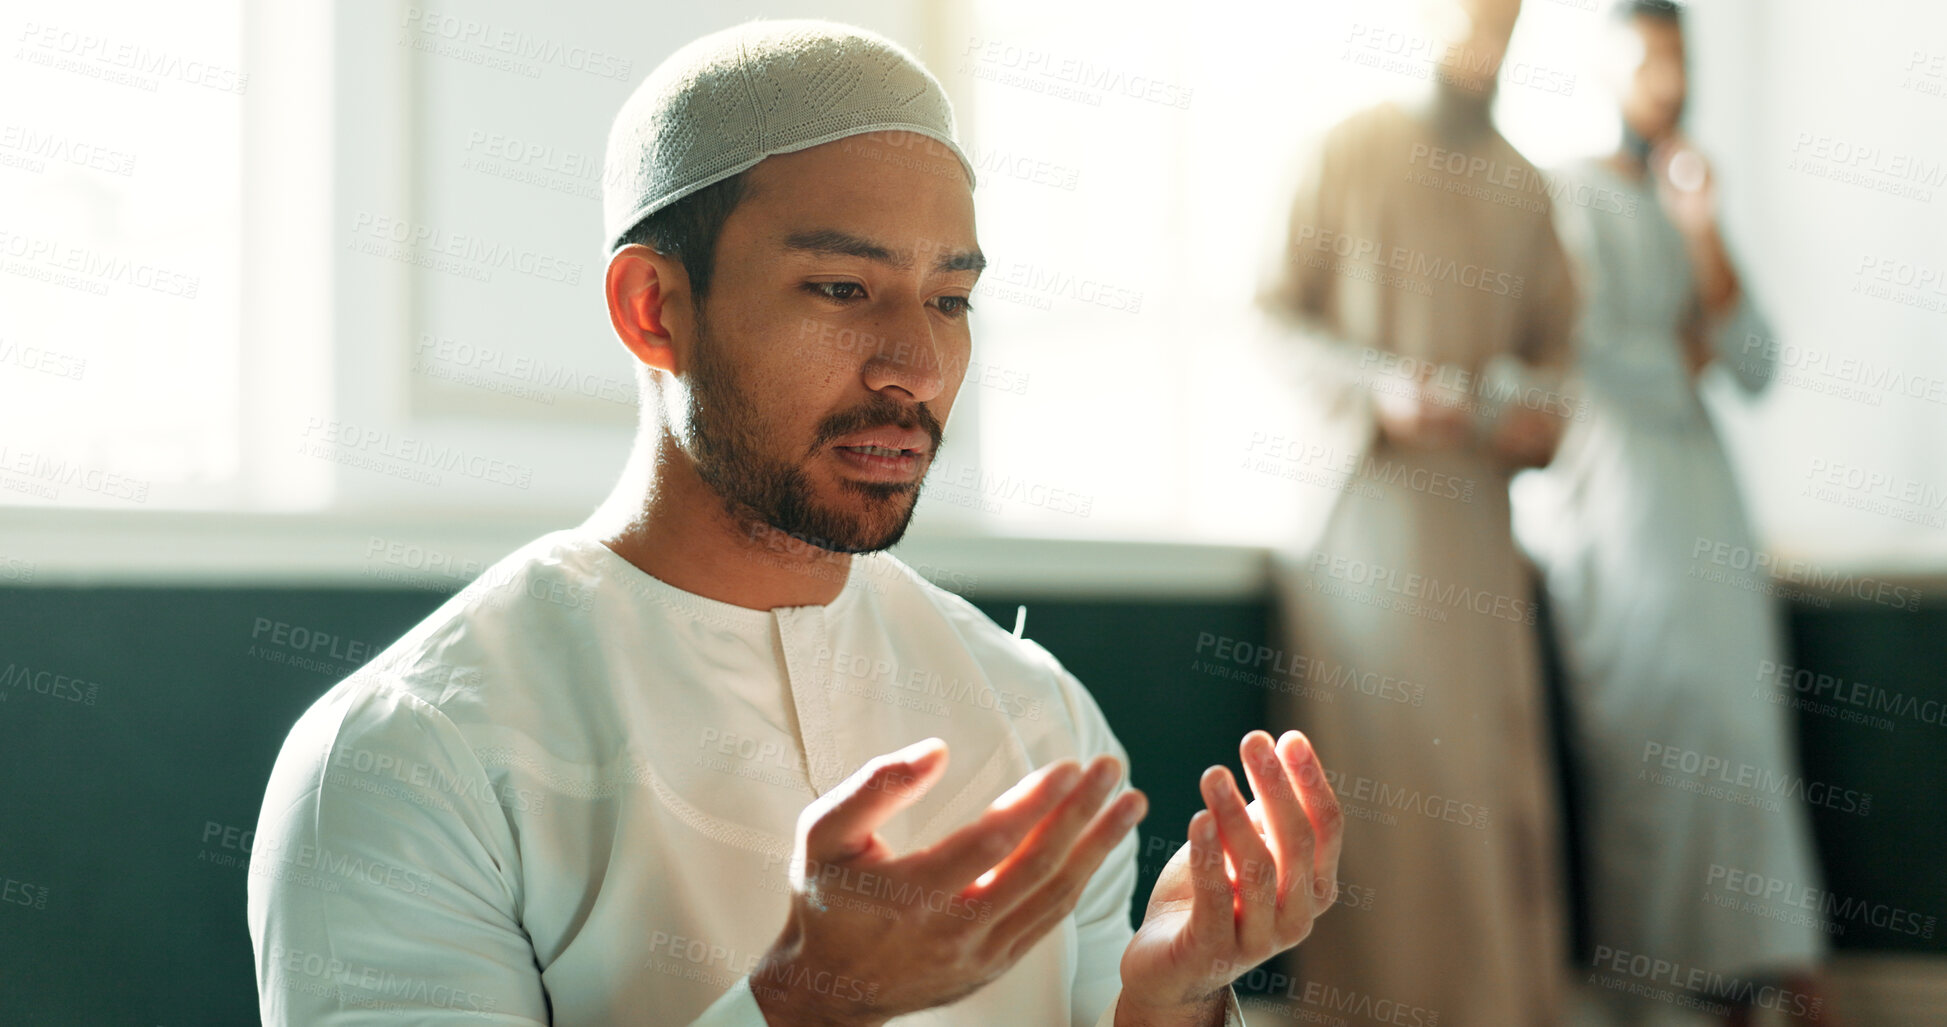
[732, 98]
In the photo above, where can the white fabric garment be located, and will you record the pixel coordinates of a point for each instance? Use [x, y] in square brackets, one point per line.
[1662, 646]
[569, 796]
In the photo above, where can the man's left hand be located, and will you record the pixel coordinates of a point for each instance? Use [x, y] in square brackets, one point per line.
[1526, 437]
[1246, 887]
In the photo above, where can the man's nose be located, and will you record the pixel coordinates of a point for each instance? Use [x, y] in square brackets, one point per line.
[909, 359]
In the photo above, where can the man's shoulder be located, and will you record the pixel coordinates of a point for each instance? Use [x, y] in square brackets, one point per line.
[1370, 124]
[502, 624]
[903, 588]
[1510, 155]
[1003, 656]
[1587, 170]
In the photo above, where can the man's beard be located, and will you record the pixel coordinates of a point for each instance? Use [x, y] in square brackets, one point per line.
[728, 437]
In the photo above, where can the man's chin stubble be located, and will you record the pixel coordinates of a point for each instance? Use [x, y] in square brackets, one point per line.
[814, 527]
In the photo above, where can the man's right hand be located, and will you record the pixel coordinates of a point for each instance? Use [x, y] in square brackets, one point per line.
[871, 935]
[1415, 418]
[1527, 437]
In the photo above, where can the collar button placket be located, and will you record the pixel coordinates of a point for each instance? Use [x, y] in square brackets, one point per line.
[807, 664]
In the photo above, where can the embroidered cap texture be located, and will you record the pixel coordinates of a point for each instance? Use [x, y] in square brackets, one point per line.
[732, 98]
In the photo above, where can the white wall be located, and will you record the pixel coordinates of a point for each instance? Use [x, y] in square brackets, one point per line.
[1776, 81]
[480, 128]
[388, 111]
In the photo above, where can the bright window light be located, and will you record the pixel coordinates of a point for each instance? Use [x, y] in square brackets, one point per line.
[119, 220]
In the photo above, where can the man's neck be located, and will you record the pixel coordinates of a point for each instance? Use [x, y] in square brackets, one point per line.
[662, 518]
[1632, 156]
[1460, 113]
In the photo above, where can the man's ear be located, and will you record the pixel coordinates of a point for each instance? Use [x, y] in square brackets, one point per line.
[648, 297]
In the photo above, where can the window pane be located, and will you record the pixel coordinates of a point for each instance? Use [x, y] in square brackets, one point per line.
[119, 184]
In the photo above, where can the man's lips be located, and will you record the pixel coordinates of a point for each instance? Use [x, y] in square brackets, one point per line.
[888, 442]
[885, 454]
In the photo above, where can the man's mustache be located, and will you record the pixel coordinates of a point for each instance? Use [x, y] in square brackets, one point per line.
[880, 412]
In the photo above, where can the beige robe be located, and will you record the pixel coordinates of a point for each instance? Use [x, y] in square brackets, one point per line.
[1406, 605]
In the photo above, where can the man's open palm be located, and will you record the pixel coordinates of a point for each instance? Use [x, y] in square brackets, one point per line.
[1225, 903]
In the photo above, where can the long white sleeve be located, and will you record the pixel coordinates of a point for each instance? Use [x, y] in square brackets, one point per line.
[1102, 914]
[1744, 345]
[380, 874]
[737, 1008]
[1102, 925]
[1233, 1014]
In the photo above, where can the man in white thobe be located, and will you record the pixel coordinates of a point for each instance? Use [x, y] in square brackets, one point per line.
[712, 757]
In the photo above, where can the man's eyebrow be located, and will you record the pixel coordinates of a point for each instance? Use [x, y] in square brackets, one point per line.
[831, 240]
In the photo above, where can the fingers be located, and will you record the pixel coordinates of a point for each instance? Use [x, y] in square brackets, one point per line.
[1054, 900]
[954, 861]
[840, 824]
[1290, 830]
[1213, 905]
[1047, 847]
[1322, 807]
[1250, 858]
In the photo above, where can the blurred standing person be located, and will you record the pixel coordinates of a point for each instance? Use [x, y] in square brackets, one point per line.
[1410, 278]
[1660, 648]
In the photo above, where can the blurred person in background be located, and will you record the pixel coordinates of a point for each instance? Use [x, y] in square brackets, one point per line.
[1662, 644]
[1418, 296]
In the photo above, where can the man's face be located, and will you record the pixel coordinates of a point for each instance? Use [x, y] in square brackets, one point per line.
[1655, 86]
[834, 339]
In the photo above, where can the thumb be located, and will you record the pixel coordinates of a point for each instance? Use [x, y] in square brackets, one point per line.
[840, 823]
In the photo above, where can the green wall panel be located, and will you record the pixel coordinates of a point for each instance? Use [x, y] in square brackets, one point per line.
[138, 726]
